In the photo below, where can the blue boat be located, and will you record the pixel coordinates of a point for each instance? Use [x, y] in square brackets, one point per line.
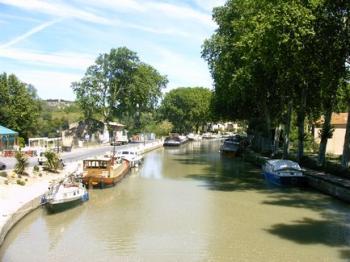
[283, 173]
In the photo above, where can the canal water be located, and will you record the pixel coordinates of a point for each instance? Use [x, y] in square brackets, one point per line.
[188, 204]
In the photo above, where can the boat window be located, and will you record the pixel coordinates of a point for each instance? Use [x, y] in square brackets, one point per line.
[125, 153]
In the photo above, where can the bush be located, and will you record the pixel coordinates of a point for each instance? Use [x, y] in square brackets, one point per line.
[3, 174]
[36, 169]
[20, 182]
[22, 162]
[52, 162]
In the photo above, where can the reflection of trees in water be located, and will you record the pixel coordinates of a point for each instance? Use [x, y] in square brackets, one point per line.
[58, 223]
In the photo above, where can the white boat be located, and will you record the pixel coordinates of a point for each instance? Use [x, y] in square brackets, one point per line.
[283, 172]
[194, 137]
[134, 157]
[64, 194]
[175, 140]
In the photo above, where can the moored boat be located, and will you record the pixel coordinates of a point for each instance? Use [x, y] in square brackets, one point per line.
[283, 172]
[64, 194]
[175, 140]
[134, 157]
[104, 171]
[234, 145]
[230, 147]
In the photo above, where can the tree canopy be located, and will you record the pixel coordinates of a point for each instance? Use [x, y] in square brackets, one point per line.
[187, 108]
[268, 57]
[118, 85]
[20, 106]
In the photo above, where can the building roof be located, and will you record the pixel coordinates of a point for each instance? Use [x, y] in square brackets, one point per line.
[6, 131]
[339, 119]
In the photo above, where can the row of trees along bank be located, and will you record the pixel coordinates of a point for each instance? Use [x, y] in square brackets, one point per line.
[272, 60]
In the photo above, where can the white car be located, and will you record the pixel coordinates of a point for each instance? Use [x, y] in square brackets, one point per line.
[41, 158]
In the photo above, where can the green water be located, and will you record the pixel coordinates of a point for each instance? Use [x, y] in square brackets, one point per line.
[188, 204]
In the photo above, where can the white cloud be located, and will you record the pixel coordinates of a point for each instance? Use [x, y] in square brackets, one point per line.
[61, 59]
[181, 70]
[210, 4]
[29, 33]
[50, 84]
[56, 9]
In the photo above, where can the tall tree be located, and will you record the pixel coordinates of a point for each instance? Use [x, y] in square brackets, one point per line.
[117, 84]
[333, 46]
[187, 108]
[20, 106]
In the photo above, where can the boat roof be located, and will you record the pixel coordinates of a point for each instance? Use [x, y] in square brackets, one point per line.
[98, 159]
[279, 164]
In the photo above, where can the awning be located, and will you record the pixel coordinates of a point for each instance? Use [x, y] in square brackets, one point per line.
[6, 131]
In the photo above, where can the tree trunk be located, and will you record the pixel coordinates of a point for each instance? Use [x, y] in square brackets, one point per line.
[346, 150]
[287, 132]
[300, 124]
[276, 139]
[267, 142]
[324, 136]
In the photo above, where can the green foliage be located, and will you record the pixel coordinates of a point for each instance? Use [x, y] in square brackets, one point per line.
[3, 174]
[266, 55]
[118, 85]
[36, 169]
[52, 162]
[20, 182]
[22, 162]
[187, 108]
[21, 142]
[162, 128]
[20, 106]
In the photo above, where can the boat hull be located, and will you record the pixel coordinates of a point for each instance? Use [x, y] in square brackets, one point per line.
[285, 180]
[59, 207]
[97, 180]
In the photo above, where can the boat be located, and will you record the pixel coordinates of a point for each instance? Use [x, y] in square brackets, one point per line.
[175, 140]
[231, 146]
[64, 194]
[104, 171]
[210, 136]
[134, 157]
[283, 172]
[193, 137]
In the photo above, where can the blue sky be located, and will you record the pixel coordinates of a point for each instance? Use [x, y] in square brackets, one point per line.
[51, 43]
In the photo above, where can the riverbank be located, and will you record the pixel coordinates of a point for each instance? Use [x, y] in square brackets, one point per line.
[326, 183]
[16, 201]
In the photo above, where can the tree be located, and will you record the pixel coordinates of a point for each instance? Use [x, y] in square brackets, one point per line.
[20, 106]
[333, 48]
[187, 108]
[259, 59]
[52, 162]
[116, 84]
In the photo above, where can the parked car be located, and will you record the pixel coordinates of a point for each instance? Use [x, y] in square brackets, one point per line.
[41, 158]
[2, 165]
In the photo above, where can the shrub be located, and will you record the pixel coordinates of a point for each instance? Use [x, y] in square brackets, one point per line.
[52, 162]
[20, 182]
[22, 162]
[3, 174]
[36, 169]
